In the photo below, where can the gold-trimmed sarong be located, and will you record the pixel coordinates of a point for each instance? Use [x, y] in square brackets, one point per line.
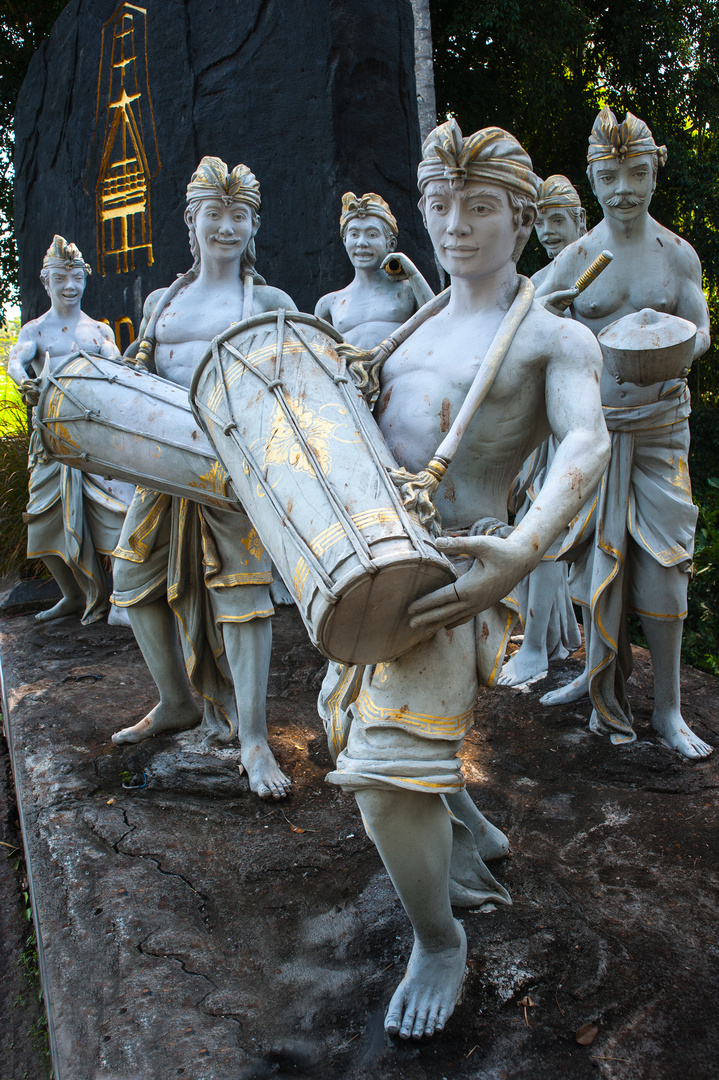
[71, 515]
[211, 566]
[635, 537]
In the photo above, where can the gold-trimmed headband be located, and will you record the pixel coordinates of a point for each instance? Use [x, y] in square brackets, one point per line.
[366, 205]
[492, 155]
[62, 254]
[213, 180]
[557, 192]
[632, 137]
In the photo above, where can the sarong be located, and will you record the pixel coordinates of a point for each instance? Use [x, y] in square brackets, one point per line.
[213, 569]
[563, 635]
[70, 514]
[636, 540]
[401, 725]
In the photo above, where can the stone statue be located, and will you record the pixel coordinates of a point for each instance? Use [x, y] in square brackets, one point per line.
[403, 722]
[550, 625]
[374, 303]
[72, 517]
[182, 564]
[640, 523]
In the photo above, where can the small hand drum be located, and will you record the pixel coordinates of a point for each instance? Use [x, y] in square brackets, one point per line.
[648, 347]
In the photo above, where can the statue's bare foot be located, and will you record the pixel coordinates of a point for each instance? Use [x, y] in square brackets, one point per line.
[69, 605]
[525, 667]
[425, 999]
[119, 616]
[677, 735]
[162, 719]
[572, 691]
[264, 774]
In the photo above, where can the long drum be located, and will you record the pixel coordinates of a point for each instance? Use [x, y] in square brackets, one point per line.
[105, 417]
[310, 467]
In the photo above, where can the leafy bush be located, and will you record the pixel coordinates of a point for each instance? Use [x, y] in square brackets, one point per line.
[700, 645]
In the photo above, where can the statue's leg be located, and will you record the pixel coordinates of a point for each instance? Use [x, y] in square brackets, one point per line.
[248, 646]
[530, 662]
[73, 598]
[156, 633]
[491, 842]
[413, 834]
[664, 638]
[579, 687]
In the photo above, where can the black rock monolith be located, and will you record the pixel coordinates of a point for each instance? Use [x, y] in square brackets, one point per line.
[121, 102]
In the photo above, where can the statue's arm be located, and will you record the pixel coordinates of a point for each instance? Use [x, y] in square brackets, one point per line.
[574, 412]
[556, 287]
[692, 302]
[147, 313]
[108, 347]
[417, 283]
[323, 308]
[22, 354]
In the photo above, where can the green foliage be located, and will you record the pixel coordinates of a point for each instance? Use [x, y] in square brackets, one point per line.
[543, 70]
[24, 25]
[700, 645]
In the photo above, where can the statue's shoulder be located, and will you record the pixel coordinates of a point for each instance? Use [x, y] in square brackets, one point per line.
[548, 336]
[680, 251]
[151, 301]
[268, 298]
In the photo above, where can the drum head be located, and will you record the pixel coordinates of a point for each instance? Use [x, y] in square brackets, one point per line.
[370, 623]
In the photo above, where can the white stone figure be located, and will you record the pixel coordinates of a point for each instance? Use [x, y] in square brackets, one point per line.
[182, 564]
[550, 625]
[71, 516]
[404, 721]
[641, 523]
[374, 303]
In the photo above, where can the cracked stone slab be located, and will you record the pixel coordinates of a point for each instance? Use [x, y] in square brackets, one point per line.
[190, 930]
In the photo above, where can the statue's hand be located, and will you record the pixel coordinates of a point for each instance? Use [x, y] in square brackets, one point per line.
[30, 391]
[398, 267]
[498, 565]
[558, 302]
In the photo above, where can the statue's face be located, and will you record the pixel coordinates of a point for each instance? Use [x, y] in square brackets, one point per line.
[555, 229]
[472, 228]
[624, 188]
[66, 286]
[367, 243]
[223, 232]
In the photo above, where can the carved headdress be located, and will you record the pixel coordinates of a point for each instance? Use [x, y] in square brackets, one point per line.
[64, 255]
[492, 155]
[632, 137]
[365, 206]
[213, 180]
[557, 192]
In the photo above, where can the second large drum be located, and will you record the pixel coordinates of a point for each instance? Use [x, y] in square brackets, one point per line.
[310, 467]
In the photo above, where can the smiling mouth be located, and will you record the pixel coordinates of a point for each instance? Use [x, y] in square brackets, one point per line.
[226, 242]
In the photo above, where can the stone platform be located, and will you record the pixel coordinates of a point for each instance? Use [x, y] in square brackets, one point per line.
[190, 930]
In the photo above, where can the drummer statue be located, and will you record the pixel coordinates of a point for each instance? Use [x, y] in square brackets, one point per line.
[641, 527]
[545, 605]
[73, 518]
[387, 287]
[182, 565]
[403, 722]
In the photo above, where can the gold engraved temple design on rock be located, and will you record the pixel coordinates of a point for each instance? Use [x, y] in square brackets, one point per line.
[124, 145]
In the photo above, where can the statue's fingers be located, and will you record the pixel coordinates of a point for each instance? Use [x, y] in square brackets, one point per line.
[438, 617]
[433, 600]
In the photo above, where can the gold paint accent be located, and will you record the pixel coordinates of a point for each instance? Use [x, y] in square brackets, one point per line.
[681, 480]
[284, 447]
[445, 727]
[332, 535]
[122, 185]
[214, 481]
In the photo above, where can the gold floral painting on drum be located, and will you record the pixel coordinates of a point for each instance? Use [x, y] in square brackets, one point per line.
[286, 446]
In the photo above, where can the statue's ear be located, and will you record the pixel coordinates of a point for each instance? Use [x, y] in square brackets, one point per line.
[392, 243]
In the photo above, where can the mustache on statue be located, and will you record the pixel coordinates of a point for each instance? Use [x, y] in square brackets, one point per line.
[623, 200]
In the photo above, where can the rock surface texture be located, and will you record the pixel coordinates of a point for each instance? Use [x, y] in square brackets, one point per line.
[316, 96]
[189, 931]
